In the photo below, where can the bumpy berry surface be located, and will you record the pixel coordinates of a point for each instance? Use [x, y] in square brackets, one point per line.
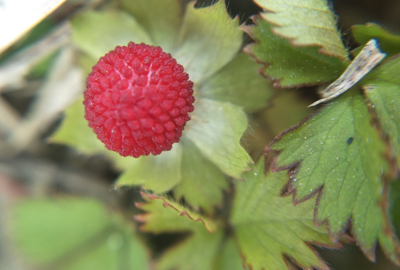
[138, 99]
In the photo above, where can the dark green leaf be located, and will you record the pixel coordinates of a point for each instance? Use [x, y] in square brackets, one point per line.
[383, 90]
[287, 64]
[338, 149]
[389, 43]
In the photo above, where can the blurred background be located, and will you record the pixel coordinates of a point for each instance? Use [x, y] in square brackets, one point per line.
[40, 78]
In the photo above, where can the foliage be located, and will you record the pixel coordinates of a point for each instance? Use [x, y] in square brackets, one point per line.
[328, 177]
[75, 233]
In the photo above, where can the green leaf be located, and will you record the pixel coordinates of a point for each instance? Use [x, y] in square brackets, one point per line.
[96, 33]
[268, 226]
[73, 233]
[238, 83]
[161, 19]
[208, 40]
[86, 63]
[201, 250]
[202, 182]
[389, 43]
[288, 65]
[229, 259]
[216, 128]
[338, 149]
[305, 23]
[196, 253]
[383, 91]
[160, 219]
[158, 173]
[394, 202]
[76, 132]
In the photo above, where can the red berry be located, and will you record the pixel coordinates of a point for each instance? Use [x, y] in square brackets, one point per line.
[138, 99]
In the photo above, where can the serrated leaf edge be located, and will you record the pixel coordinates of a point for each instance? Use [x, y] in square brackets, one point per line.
[292, 41]
[265, 65]
[341, 235]
[142, 217]
[290, 262]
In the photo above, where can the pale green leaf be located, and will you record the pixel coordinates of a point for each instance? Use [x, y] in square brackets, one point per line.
[268, 226]
[208, 40]
[159, 173]
[98, 32]
[161, 19]
[287, 64]
[202, 182]
[73, 233]
[163, 216]
[383, 91]
[216, 128]
[388, 42]
[239, 83]
[196, 253]
[86, 63]
[202, 250]
[338, 149]
[229, 259]
[305, 23]
[75, 131]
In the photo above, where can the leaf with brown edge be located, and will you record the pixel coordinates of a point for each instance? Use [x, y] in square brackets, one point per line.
[201, 249]
[338, 149]
[305, 23]
[298, 42]
[289, 65]
[270, 231]
[158, 219]
[382, 88]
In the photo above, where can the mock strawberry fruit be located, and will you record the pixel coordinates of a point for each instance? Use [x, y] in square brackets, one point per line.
[138, 99]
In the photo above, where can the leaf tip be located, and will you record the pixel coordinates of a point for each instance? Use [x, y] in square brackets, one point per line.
[140, 217]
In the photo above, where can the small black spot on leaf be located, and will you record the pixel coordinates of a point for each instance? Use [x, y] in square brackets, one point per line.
[350, 140]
